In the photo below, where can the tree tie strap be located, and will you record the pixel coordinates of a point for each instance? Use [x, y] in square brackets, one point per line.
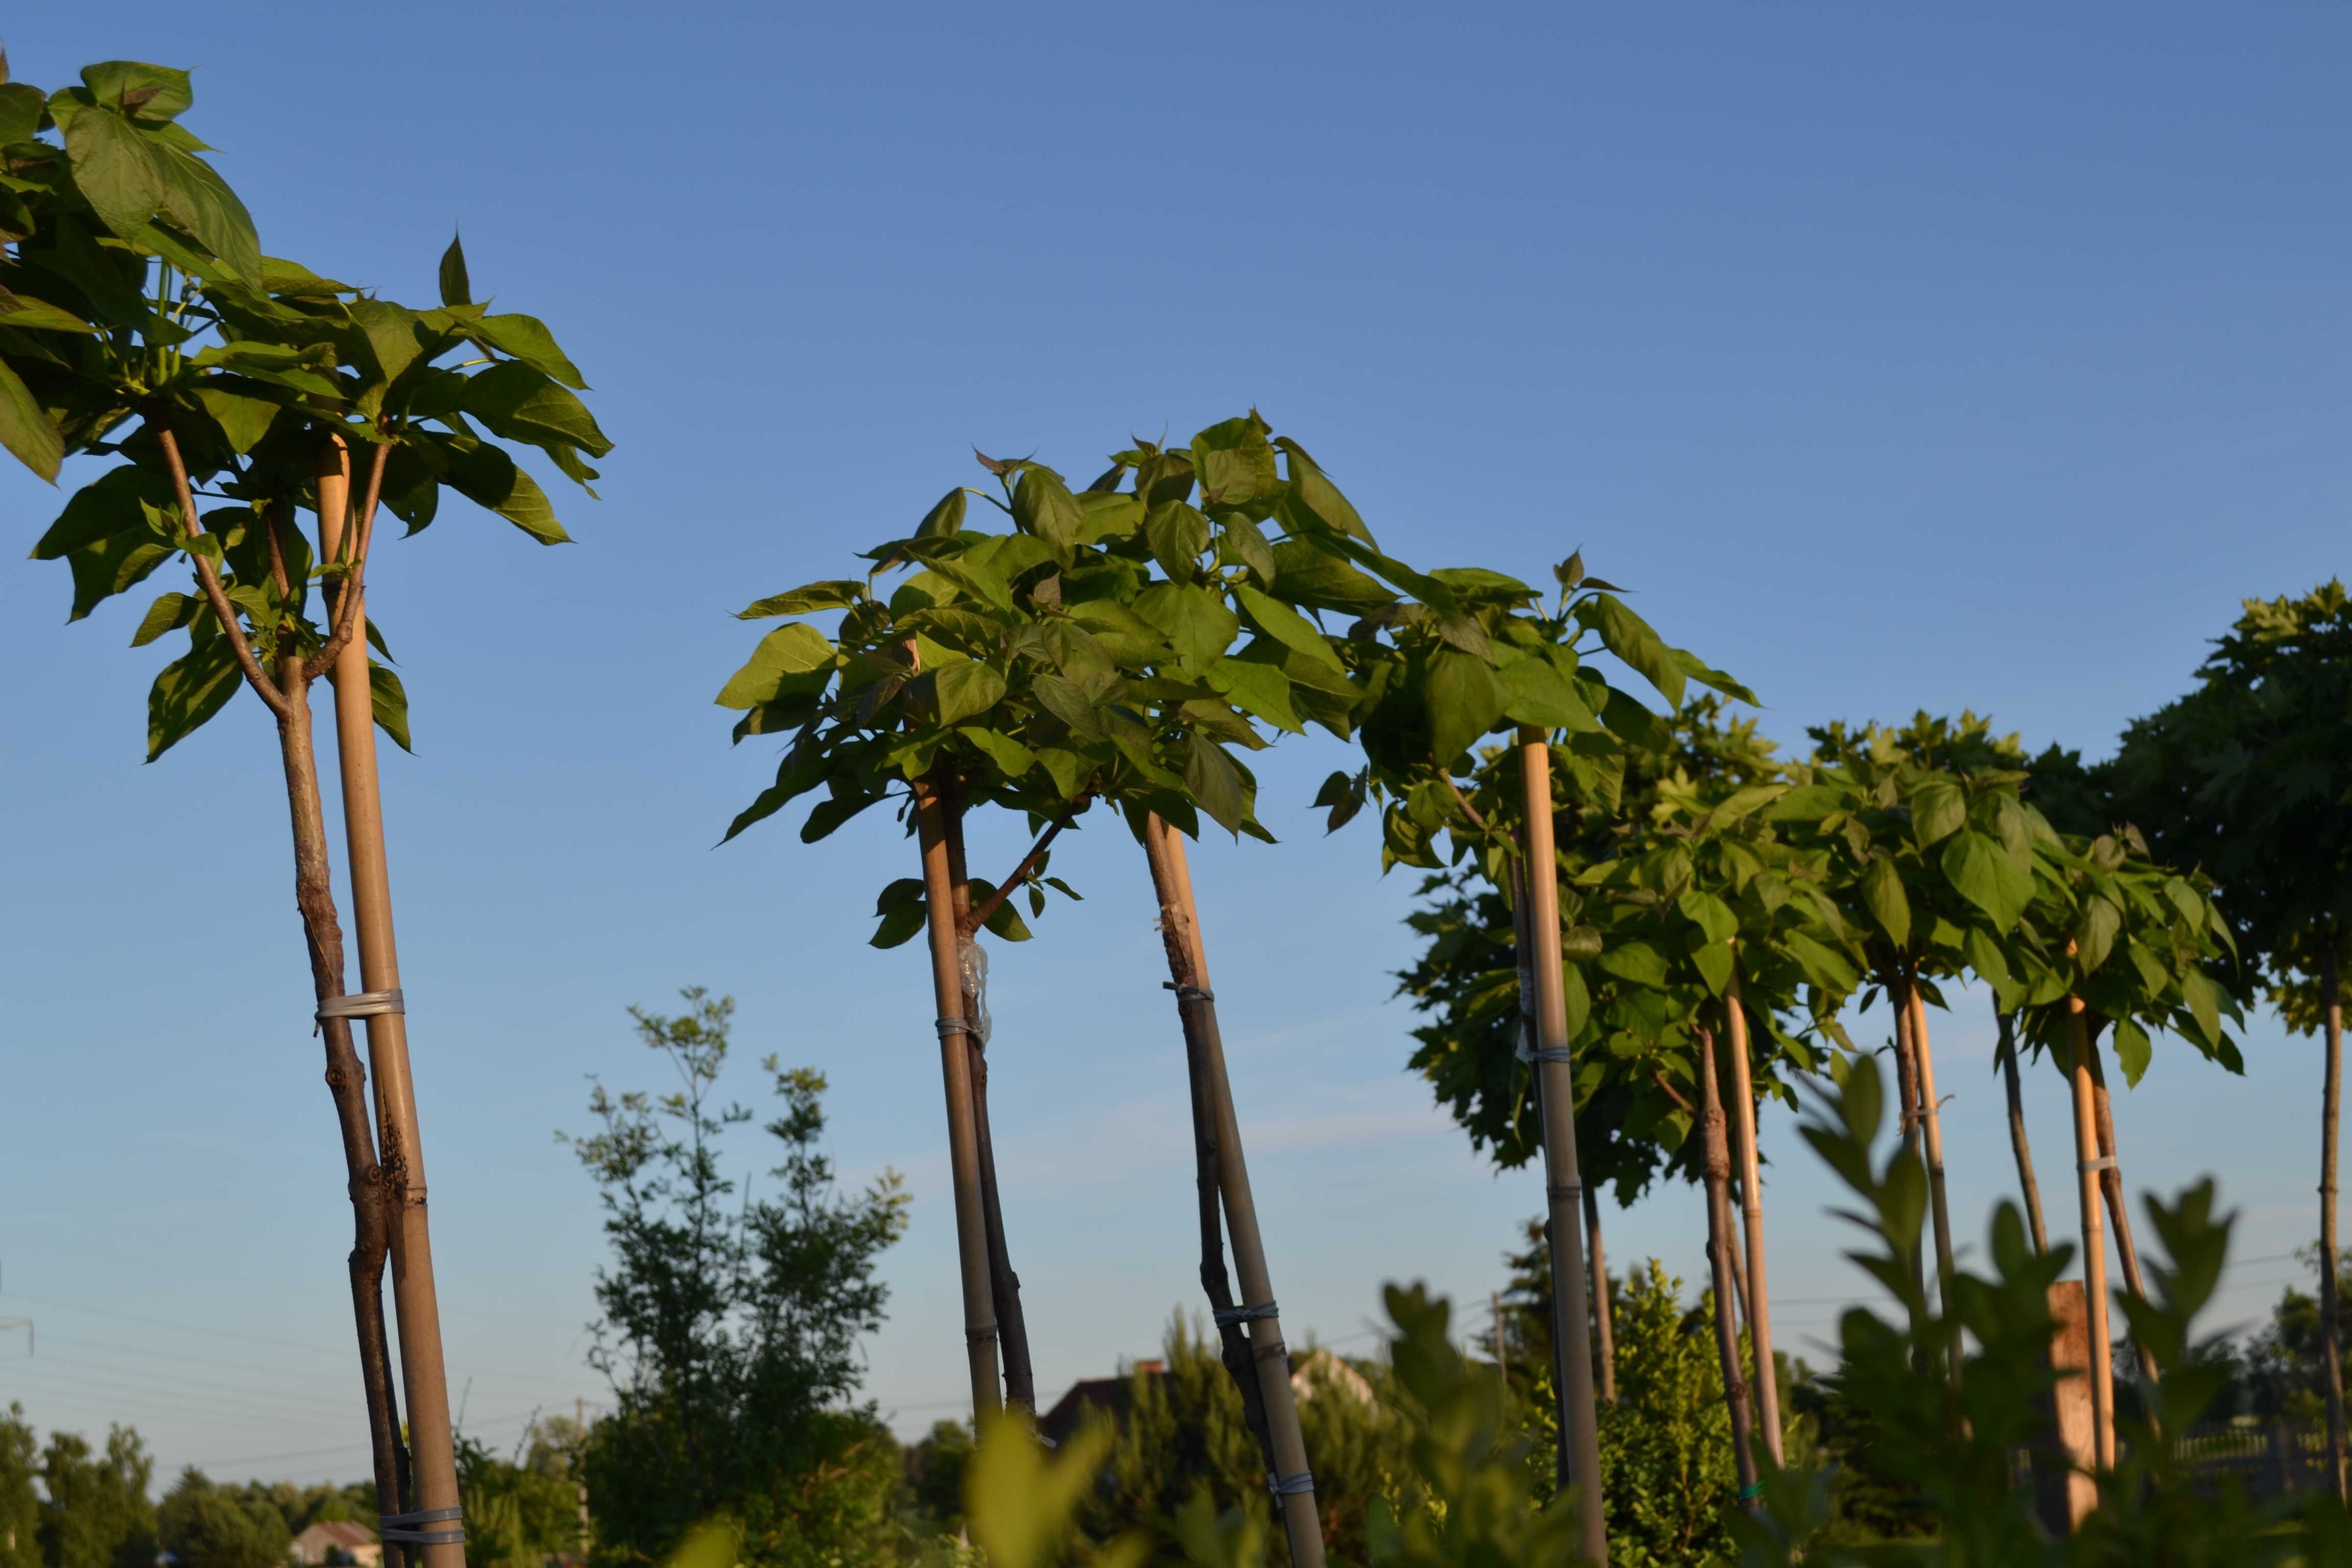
[394, 1526]
[358, 1005]
[1277, 1350]
[1560, 1054]
[2104, 1162]
[1564, 1189]
[947, 1027]
[980, 1332]
[1226, 1316]
[1290, 1486]
[1751, 1491]
[1188, 992]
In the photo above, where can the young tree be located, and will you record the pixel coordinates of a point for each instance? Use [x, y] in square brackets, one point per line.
[205, 1526]
[2246, 778]
[20, 1504]
[95, 1511]
[731, 1321]
[144, 324]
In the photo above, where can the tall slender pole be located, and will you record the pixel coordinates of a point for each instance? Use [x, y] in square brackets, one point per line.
[1502, 1346]
[1604, 1331]
[2331, 1099]
[2095, 1241]
[955, 1073]
[1292, 1483]
[2111, 1189]
[1751, 1203]
[1563, 1182]
[1714, 1154]
[1931, 1119]
[2018, 1143]
[1906, 1088]
[424, 1374]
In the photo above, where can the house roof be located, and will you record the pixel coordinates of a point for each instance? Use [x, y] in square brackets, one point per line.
[342, 1532]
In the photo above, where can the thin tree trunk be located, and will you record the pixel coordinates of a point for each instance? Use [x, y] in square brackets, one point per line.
[2095, 1241]
[2111, 1188]
[1603, 1329]
[1715, 1155]
[2007, 1050]
[365, 1177]
[1906, 1086]
[1004, 1285]
[1931, 1119]
[1188, 969]
[2331, 1099]
[424, 1374]
[955, 1073]
[1751, 1203]
[1563, 1182]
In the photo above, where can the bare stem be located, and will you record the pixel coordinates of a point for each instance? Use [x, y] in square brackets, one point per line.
[209, 580]
[987, 911]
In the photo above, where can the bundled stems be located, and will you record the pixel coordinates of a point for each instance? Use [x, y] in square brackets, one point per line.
[1907, 1086]
[2094, 1244]
[1292, 1483]
[955, 1073]
[1931, 1122]
[424, 1374]
[2111, 1188]
[1004, 1285]
[1604, 1331]
[2007, 1051]
[1563, 1182]
[1714, 1154]
[1751, 1196]
[2331, 1098]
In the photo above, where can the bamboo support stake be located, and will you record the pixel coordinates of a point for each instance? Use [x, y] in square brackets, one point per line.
[424, 1377]
[2094, 1242]
[1563, 1184]
[1931, 1119]
[2018, 1143]
[955, 1072]
[1716, 1166]
[2111, 1188]
[1751, 1196]
[1906, 1088]
[2331, 1100]
[1603, 1329]
[1292, 1483]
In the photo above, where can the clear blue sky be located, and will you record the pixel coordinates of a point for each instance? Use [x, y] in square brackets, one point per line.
[1899, 359]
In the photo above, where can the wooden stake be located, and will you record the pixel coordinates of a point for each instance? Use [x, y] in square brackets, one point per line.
[424, 1374]
[1188, 967]
[1563, 1182]
[1906, 1086]
[1714, 1154]
[2095, 1241]
[1931, 1118]
[2064, 1492]
[2111, 1188]
[955, 1073]
[2331, 1099]
[1751, 1196]
[1603, 1329]
[2018, 1145]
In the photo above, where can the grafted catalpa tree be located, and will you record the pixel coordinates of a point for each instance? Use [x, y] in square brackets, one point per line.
[142, 325]
[1117, 643]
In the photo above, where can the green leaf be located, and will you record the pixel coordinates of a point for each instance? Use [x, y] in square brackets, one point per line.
[1713, 963]
[25, 430]
[1312, 491]
[835, 593]
[2204, 999]
[1578, 999]
[2095, 933]
[1006, 753]
[117, 502]
[169, 613]
[944, 520]
[1197, 624]
[389, 699]
[1637, 962]
[1883, 895]
[151, 93]
[1176, 534]
[188, 691]
[1981, 872]
[1258, 689]
[200, 201]
[1214, 783]
[1823, 965]
[1539, 695]
[29, 314]
[965, 688]
[1043, 505]
[21, 105]
[1068, 770]
[391, 334]
[1628, 637]
[1465, 700]
[1938, 809]
[1287, 627]
[102, 569]
[524, 403]
[118, 170]
[244, 420]
[489, 478]
[1314, 579]
[528, 340]
[1110, 516]
[1984, 956]
[798, 650]
[1242, 541]
[457, 288]
[2133, 1051]
[1710, 914]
